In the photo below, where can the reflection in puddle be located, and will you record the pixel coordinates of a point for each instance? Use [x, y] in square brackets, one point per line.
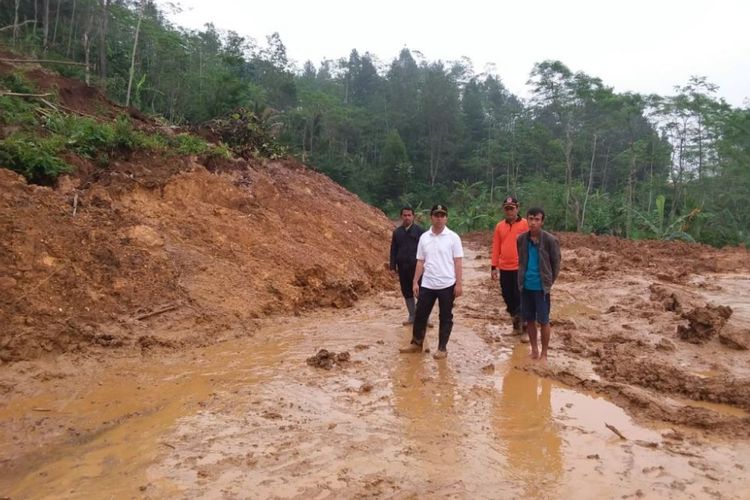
[131, 415]
[425, 403]
[733, 292]
[522, 422]
[251, 416]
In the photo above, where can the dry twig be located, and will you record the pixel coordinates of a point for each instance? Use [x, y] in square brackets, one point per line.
[164, 309]
[21, 94]
[615, 430]
[68, 63]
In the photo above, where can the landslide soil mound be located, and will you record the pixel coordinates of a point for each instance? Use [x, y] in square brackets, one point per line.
[219, 249]
[152, 251]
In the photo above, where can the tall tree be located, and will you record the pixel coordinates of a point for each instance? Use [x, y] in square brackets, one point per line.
[439, 110]
[103, 23]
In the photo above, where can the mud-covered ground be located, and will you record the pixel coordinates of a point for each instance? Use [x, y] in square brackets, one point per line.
[151, 249]
[633, 352]
[162, 321]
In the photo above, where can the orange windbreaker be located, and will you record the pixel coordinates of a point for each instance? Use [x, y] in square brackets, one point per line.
[504, 250]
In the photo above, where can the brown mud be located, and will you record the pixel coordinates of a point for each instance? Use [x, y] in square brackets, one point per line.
[178, 327]
[251, 415]
[191, 262]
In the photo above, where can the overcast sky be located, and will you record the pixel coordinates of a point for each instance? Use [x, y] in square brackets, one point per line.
[646, 46]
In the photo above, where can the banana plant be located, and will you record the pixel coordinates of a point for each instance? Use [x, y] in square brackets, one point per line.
[661, 229]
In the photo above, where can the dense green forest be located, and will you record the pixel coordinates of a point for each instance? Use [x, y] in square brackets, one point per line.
[416, 131]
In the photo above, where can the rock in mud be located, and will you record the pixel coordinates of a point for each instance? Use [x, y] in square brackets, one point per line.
[734, 337]
[144, 236]
[98, 197]
[703, 323]
[328, 359]
[666, 297]
[666, 345]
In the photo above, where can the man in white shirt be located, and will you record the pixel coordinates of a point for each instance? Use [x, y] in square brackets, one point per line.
[439, 264]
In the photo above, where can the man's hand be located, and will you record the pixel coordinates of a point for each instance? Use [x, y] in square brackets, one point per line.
[494, 274]
[458, 291]
[415, 289]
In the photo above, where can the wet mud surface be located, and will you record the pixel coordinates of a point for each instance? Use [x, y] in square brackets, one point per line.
[263, 417]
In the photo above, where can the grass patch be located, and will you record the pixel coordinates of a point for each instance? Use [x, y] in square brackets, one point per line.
[16, 82]
[37, 160]
[38, 157]
[16, 111]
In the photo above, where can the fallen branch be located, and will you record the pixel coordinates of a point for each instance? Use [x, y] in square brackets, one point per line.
[681, 452]
[69, 63]
[614, 429]
[71, 110]
[10, 27]
[41, 409]
[168, 308]
[75, 204]
[19, 94]
[168, 445]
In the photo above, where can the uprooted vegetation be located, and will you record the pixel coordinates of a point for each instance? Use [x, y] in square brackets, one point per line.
[40, 137]
[48, 124]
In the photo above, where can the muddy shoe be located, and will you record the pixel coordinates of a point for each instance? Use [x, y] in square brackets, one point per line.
[413, 348]
[440, 354]
[407, 322]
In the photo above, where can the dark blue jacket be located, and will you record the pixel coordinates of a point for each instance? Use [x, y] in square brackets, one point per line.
[404, 246]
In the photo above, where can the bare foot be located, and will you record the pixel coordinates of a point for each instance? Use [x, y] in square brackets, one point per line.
[534, 355]
[543, 357]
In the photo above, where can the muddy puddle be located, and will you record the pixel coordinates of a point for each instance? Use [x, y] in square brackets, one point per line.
[731, 290]
[250, 418]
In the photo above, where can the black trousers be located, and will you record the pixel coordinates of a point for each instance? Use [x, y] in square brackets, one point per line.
[425, 303]
[510, 291]
[406, 277]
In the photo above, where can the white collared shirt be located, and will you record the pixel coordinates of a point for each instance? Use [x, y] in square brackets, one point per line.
[437, 251]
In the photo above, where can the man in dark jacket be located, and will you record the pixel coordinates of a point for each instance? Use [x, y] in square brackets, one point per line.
[404, 257]
[538, 268]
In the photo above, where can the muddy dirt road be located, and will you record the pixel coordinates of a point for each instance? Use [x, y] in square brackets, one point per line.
[249, 418]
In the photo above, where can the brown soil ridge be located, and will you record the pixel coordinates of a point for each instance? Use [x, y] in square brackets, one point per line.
[215, 249]
[646, 404]
[597, 256]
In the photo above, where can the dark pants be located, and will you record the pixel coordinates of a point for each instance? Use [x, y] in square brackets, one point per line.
[510, 291]
[425, 303]
[406, 277]
[536, 305]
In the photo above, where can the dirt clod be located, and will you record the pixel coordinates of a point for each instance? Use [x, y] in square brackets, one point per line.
[703, 323]
[735, 337]
[328, 359]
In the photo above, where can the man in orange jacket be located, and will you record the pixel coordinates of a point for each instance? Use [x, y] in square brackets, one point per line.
[505, 258]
